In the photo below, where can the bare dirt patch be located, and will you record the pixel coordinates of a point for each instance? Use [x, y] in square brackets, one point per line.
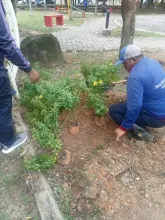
[17, 200]
[106, 179]
[97, 177]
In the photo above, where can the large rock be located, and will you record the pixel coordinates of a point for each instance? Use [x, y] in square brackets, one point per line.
[44, 49]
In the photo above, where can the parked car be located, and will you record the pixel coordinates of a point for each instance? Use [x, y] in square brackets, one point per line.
[21, 2]
[47, 2]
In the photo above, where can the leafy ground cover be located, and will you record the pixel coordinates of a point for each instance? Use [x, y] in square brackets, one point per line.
[47, 99]
[35, 22]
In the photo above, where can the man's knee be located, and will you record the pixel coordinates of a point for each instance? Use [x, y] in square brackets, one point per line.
[112, 109]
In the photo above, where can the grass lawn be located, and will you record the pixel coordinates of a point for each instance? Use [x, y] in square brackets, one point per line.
[116, 32]
[17, 202]
[35, 22]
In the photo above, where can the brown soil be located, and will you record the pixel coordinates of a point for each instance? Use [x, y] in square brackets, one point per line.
[17, 200]
[107, 179]
[99, 178]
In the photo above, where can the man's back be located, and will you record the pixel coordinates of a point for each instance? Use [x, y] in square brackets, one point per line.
[148, 77]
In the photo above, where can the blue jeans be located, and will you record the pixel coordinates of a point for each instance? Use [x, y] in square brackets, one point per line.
[118, 111]
[7, 131]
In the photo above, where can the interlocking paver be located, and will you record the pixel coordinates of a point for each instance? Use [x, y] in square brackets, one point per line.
[89, 35]
[153, 22]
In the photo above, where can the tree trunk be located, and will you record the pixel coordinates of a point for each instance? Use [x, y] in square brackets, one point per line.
[128, 9]
[96, 4]
[162, 2]
[150, 4]
[141, 4]
[66, 3]
[71, 15]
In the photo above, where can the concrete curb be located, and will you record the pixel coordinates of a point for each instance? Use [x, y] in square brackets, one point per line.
[44, 196]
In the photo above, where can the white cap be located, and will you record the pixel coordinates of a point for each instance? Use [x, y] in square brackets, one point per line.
[127, 52]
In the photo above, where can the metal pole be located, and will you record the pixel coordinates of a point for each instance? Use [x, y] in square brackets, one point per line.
[71, 18]
[45, 6]
[30, 7]
[107, 19]
[69, 8]
[54, 5]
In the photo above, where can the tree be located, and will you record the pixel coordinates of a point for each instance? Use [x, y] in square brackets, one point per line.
[150, 4]
[141, 4]
[66, 3]
[96, 6]
[162, 2]
[128, 9]
[70, 10]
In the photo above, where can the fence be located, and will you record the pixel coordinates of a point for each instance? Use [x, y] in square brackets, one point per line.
[114, 2]
[52, 3]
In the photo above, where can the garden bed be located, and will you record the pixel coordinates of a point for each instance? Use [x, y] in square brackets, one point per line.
[105, 179]
[96, 177]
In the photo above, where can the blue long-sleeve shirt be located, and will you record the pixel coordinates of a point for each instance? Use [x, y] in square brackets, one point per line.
[145, 90]
[8, 47]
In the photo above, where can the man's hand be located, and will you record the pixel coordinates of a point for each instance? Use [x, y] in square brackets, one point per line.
[119, 133]
[34, 76]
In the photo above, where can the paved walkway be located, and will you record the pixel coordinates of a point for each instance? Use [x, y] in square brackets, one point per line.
[152, 22]
[89, 35]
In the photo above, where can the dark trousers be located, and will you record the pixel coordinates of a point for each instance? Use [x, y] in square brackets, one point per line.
[7, 131]
[118, 111]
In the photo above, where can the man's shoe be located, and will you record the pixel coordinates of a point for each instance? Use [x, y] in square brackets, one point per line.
[132, 135]
[141, 134]
[19, 140]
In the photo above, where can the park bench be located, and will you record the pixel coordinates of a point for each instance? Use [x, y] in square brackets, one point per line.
[48, 19]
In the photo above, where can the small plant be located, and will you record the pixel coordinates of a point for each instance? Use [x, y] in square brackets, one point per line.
[97, 101]
[100, 74]
[44, 72]
[40, 163]
[98, 78]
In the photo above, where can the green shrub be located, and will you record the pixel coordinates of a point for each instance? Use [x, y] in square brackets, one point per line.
[46, 99]
[106, 73]
[97, 101]
[98, 78]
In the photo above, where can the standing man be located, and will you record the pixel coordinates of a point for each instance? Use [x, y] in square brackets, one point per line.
[145, 104]
[9, 140]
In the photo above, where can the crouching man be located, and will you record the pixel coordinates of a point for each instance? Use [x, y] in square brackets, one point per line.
[145, 106]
